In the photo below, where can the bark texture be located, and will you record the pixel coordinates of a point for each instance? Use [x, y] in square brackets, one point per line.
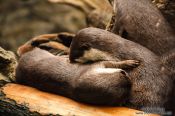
[19, 100]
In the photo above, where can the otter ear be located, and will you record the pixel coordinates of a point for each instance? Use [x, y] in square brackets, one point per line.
[66, 38]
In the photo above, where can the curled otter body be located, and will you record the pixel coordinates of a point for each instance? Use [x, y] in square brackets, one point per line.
[149, 29]
[141, 21]
[151, 86]
[96, 83]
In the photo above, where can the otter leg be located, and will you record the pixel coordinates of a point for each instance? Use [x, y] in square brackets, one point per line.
[55, 48]
[43, 39]
[55, 43]
[35, 42]
[126, 64]
[64, 38]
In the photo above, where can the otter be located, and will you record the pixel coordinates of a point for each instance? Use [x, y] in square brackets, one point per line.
[151, 86]
[101, 83]
[55, 43]
[142, 22]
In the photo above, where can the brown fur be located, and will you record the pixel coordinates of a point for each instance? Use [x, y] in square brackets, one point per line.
[149, 29]
[142, 22]
[40, 69]
[55, 42]
[151, 86]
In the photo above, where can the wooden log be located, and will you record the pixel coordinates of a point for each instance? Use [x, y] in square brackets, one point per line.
[22, 100]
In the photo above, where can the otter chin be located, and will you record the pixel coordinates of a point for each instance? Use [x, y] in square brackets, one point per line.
[92, 55]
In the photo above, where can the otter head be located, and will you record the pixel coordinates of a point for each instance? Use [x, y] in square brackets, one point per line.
[91, 44]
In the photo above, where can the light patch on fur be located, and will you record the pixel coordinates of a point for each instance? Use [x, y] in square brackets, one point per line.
[158, 23]
[107, 70]
[114, 6]
[94, 55]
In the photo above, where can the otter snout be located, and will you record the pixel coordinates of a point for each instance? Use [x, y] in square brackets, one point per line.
[74, 55]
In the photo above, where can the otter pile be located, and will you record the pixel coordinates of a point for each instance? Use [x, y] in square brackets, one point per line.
[132, 65]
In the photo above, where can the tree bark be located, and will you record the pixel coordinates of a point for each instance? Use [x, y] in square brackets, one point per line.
[21, 100]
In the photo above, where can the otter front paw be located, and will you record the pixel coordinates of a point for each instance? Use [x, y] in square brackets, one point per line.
[132, 63]
[36, 41]
[55, 48]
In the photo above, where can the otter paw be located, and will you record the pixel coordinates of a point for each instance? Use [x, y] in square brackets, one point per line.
[132, 63]
[54, 48]
[36, 41]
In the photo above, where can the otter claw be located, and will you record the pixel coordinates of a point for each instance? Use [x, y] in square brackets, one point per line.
[133, 63]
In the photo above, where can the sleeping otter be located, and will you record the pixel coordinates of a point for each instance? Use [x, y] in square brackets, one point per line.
[142, 22]
[151, 86]
[101, 83]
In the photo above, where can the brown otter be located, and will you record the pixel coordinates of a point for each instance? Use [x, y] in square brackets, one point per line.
[142, 22]
[99, 83]
[151, 86]
[59, 42]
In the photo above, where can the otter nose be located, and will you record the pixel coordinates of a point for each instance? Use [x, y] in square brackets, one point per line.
[72, 60]
[72, 57]
[75, 54]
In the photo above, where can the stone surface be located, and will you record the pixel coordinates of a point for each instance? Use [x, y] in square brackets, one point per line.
[8, 64]
[22, 20]
[98, 12]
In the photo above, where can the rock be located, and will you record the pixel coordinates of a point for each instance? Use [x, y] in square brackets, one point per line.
[98, 12]
[161, 4]
[8, 64]
[21, 20]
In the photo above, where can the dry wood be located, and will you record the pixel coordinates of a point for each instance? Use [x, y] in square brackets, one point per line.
[42, 103]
